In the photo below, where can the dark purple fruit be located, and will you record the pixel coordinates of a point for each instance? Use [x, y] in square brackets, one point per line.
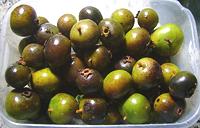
[18, 76]
[23, 20]
[22, 104]
[168, 108]
[57, 51]
[91, 13]
[26, 41]
[89, 81]
[126, 63]
[183, 85]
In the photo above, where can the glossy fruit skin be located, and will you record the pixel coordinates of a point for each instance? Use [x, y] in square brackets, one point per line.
[112, 35]
[22, 104]
[137, 41]
[98, 59]
[148, 19]
[45, 31]
[168, 109]
[45, 81]
[84, 34]
[183, 84]
[93, 110]
[23, 20]
[146, 73]
[126, 63]
[33, 55]
[65, 23]
[91, 13]
[169, 70]
[57, 50]
[117, 84]
[42, 20]
[18, 76]
[89, 81]
[26, 41]
[167, 39]
[62, 108]
[125, 17]
[74, 67]
[136, 109]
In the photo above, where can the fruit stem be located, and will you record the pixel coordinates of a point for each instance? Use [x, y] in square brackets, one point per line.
[21, 61]
[106, 31]
[79, 111]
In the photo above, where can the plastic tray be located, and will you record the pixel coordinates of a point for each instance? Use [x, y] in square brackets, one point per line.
[169, 11]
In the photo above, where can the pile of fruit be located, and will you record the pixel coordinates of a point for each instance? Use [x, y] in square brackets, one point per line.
[101, 71]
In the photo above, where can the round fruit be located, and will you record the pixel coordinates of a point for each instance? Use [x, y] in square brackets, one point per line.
[112, 116]
[89, 81]
[65, 23]
[169, 70]
[91, 13]
[136, 109]
[112, 35]
[146, 73]
[62, 108]
[33, 55]
[126, 63]
[167, 39]
[92, 110]
[26, 41]
[94, 59]
[168, 108]
[148, 19]
[45, 31]
[42, 20]
[117, 84]
[183, 84]
[22, 104]
[84, 34]
[57, 50]
[23, 20]
[137, 41]
[18, 76]
[125, 17]
[45, 81]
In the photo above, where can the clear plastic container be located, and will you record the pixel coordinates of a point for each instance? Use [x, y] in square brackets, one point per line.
[169, 11]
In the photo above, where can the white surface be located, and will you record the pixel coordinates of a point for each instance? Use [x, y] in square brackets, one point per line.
[169, 11]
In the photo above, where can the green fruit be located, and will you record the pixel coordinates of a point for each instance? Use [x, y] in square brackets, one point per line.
[167, 39]
[18, 76]
[148, 19]
[65, 23]
[169, 70]
[117, 84]
[22, 104]
[57, 50]
[91, 13]
[84, 34]
[45, 81]
[183, 84]
[62, 108]
[33, 55]
[137, 40]
[26, 41]
[125, 17]
[136, 109]
[92, 110]
[168, 109]
[45, 31]
[112, 35]
[146, 73]
[23, 20]
[42, 20]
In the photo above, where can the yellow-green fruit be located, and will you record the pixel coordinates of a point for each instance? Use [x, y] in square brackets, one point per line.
[136, 109]
[62, 108]
[169, 70]
[45, 81]
[167, 39]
